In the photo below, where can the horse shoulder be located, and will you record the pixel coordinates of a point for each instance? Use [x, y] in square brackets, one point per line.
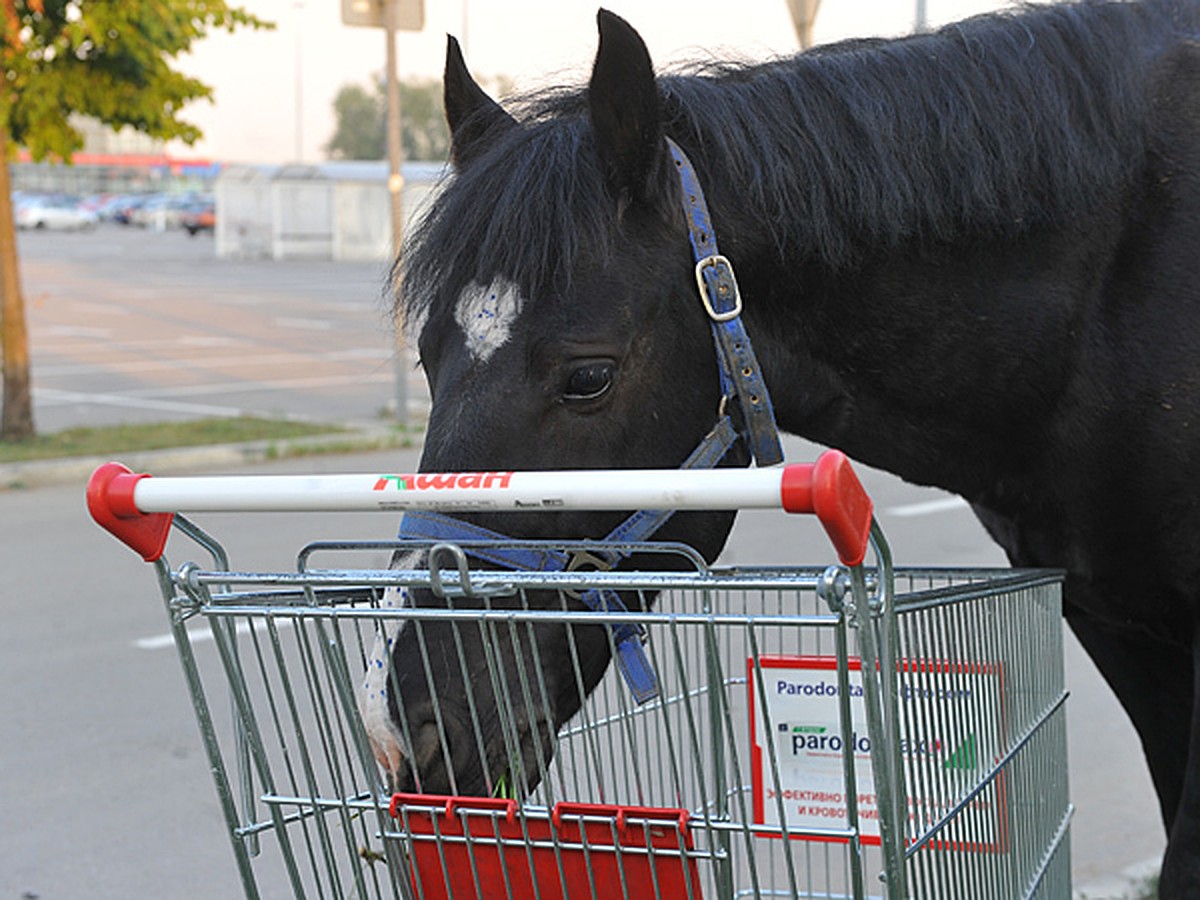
[1139, 374]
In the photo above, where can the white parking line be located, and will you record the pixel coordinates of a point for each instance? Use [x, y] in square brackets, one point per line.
[301, 323]
[208, 340]
[927, 508]
[156, 398]
[246, 359]
[278, 384]
[53, 397]
[202, 635]
[76, 331]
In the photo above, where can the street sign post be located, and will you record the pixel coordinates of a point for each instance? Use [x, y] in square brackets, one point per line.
[392, 16]
[410, 14]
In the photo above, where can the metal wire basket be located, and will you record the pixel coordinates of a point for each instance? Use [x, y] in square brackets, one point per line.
[819, 732]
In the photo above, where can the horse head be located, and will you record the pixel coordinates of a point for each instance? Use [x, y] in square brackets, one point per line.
[551, 293]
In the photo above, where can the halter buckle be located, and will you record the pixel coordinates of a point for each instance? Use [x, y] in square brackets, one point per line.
[726, 285]
[584, 561]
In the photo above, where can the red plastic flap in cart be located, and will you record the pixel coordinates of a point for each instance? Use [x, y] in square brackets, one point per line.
[480, 847]
[830, 490]
[110, 501]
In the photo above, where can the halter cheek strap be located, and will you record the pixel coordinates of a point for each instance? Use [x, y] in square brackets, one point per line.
[721, 299]
[740, 379]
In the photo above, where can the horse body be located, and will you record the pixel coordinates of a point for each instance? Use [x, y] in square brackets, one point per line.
[1051, 378]
[968, 258]
[1062, 404]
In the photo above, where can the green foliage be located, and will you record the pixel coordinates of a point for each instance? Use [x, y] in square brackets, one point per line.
[423, 121]
[360, 125]
[108, 59]
[361, 116]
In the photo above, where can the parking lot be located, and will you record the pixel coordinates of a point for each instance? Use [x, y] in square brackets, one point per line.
[129, 324]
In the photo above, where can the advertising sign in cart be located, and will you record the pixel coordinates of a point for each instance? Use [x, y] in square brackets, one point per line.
[951, 728]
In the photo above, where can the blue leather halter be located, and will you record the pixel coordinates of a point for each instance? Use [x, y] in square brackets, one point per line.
[741, 379]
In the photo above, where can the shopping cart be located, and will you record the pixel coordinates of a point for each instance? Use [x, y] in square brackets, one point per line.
[842, 731]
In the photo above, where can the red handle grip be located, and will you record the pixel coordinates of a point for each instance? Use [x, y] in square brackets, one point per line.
[831, 491]
[110, 501]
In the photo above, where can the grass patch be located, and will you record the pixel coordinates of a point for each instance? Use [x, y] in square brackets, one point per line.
[116, 439]
[1148, 890]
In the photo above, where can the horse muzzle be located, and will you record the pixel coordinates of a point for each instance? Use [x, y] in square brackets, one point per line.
[453, 755]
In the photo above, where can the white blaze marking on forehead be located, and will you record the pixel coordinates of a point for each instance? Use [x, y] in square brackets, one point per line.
[486, 316]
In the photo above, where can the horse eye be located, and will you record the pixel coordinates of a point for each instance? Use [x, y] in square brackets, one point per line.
[590, 381]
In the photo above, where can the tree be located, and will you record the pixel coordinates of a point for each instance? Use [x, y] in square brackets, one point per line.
[99, 58]
[423, 122]
[359, 132]
[361, 122]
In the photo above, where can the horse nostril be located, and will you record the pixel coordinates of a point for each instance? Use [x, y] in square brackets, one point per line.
[449, 758]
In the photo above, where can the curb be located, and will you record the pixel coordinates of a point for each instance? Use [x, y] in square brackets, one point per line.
[77, 469]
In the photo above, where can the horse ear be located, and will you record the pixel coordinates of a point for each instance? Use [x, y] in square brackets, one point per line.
[623, 100]
[474, 118]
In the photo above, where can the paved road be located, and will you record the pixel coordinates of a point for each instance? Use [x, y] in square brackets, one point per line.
[102, 778]
[128, 326]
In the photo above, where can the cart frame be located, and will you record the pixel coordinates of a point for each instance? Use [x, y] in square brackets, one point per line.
[931, 834]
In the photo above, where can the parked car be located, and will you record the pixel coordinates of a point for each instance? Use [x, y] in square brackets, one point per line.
[63, 213]
[200, 216]
[121, 209]
[162, 211]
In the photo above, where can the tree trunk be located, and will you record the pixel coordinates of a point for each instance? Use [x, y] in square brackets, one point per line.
[17, 418]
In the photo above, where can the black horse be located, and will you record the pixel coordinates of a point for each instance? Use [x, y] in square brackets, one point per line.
[967, 257]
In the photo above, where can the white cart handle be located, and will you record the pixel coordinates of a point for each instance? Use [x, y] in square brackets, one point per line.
[138, 508]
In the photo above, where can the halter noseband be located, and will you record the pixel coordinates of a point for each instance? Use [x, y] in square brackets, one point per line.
[741, 380]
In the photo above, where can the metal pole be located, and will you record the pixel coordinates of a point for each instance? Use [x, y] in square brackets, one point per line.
[804, 15]
[395, 151]
[922, 22]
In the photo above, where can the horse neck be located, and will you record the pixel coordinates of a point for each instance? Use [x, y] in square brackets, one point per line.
[946, 367]
[905, 309]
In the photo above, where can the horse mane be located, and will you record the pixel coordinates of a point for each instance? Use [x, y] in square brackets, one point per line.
[988, 127]
[991, 126]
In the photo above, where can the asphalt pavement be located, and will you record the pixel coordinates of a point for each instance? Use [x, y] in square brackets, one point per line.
[102, 776]
[128, 325]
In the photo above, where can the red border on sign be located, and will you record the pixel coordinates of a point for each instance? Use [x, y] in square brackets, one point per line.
[829, 664]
